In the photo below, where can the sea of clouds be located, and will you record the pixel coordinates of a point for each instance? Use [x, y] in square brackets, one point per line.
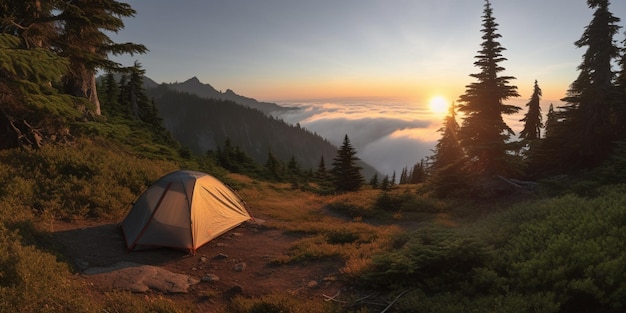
[387, 133]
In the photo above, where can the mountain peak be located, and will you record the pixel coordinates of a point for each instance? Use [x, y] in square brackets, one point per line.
[193, 80]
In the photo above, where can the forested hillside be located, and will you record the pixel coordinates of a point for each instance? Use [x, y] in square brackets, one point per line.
[204, 124]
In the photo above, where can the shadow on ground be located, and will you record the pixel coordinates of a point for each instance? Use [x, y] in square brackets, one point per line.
[104, 246]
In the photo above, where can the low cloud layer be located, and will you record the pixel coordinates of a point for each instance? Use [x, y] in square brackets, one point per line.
[389, 134]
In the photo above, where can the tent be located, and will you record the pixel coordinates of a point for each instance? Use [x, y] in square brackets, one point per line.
[183, 209]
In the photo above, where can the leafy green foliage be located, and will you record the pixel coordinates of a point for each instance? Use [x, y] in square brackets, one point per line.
[435, 259]
[82, 181]
[33, 281]
[575, 251]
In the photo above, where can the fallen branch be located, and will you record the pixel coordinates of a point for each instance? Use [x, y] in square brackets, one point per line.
[518, 183]
[394, 301]
[333, 298]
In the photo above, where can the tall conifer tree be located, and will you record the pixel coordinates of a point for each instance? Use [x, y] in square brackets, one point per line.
[85, 43]
[346, 173]
[483, 133]
[533, 121]
[448, 160]
[448, 149]
[587, 128]
[551, 121]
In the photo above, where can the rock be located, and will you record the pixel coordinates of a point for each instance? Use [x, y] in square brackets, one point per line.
[142, 278]
[239, 267]
[312, 284]
[208, 278]
[221, 244]
[203, 259]
[233, 291]
[220, 256]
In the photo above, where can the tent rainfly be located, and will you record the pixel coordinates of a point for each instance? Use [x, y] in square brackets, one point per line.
[184, 210]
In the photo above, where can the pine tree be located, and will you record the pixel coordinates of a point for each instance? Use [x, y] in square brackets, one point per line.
[484, 134]
[447, 163]
[346, 174]
[587, 127]
[533, 121]
[551, 121]
[404, 176]
[418, 174]
[374, 181]
[31, 20]
[84, 41]
[293, 166]
[321, 174]
[110, 95]
[384, 184]
[273, 166]
[448, 149]
[620, 95]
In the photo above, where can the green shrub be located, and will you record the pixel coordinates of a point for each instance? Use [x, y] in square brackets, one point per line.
[351, 209]
[433, 259]
[33, 281]
[87, 180]
[408, 202]
[575, 251]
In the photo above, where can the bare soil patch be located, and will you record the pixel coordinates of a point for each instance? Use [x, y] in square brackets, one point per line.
[240, 259]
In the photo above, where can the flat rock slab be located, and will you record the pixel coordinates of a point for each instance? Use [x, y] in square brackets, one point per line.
[142, 278]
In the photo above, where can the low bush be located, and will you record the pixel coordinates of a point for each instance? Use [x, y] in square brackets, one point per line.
[33, 281]
[434, 259]
[575, 250]
[87, 180]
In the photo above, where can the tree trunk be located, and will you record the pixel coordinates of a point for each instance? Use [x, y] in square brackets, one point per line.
[83, 84]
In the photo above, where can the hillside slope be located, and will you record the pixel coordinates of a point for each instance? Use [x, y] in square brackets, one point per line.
[205, 124]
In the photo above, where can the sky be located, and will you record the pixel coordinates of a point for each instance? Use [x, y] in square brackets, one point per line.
[367, 68]
[278, 50]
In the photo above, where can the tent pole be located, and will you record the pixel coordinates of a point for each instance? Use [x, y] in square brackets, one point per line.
[151, 216]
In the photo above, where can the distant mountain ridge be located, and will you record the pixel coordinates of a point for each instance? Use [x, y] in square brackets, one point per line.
[195, 87]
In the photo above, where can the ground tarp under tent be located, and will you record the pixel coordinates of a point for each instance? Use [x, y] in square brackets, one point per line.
[184, 210]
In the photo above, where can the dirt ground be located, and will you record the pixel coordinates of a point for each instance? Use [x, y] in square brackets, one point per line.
[95, 249]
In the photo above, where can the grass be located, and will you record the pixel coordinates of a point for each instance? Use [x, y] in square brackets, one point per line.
[539, 255]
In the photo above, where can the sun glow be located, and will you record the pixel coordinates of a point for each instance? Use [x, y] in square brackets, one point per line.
[438, 105]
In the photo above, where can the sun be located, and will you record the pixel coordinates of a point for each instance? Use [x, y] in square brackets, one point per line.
[438, 105]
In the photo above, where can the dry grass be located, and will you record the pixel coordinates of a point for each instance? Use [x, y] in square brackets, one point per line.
[322, 235]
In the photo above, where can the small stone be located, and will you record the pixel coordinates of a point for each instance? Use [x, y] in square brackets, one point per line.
[330, 278]
[221, 256]
[312, 284]
[203, 259]
[233, 291]
[208, 278]
[221, 244]
[239, 267]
